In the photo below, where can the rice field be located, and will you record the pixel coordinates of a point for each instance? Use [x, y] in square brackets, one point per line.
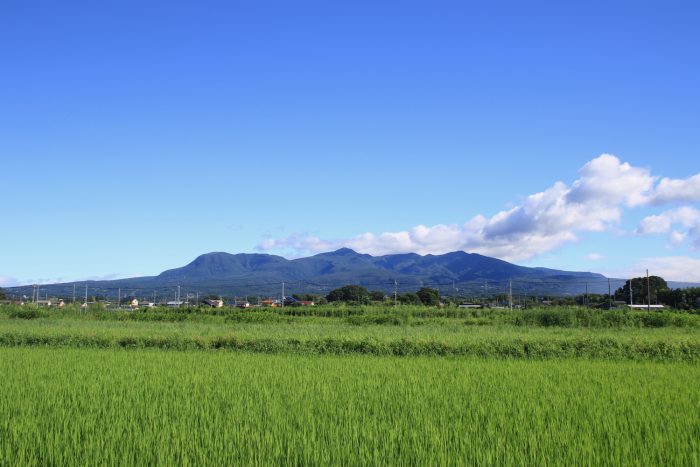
[87, 406]
[100, 388]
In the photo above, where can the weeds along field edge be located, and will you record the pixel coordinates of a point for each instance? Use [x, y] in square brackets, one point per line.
[672, 337]
[574, 317]
[80, 406]
[660, 348]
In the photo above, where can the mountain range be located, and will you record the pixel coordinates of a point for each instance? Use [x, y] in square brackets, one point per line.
[263, 274]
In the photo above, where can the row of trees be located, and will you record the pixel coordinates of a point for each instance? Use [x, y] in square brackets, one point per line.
[653, 290]
[656, 290]
[361, 295]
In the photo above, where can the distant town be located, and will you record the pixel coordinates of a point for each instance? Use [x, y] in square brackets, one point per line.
[650, 293]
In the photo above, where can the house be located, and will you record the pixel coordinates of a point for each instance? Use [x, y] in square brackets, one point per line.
[306, 303]
[175, 304]
[469, 305]
[213, 303]
[133, 303]
[242, 304]
[147, 305]
[269, 302]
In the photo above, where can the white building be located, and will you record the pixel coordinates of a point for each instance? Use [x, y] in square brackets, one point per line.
[645, 307]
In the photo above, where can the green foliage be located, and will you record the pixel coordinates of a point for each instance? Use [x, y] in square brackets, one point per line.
[350, 294]
[682, 299]
[404, 331]
[26, 312]
[415, 315]
[590, 318]
[428, 296]
[410, 299]
[377, 296]
[257, 317]
[641, 290]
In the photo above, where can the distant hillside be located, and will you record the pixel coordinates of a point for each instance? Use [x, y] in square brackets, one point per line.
[346, 266]
[263, 274]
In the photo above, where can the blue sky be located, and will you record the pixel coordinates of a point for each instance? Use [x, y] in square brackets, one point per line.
[135, 136]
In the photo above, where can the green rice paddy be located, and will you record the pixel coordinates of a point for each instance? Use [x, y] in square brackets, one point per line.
[88, 390]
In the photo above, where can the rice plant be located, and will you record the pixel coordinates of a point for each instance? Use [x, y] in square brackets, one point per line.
[115, 407]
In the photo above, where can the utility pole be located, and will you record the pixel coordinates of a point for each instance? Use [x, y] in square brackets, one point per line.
[585, 300]
[86, 296]
[74, 292]
[396, 291]
[178, 296]
[648, 293]
[609, 296]
[119, 298]
[631, 302]
[282, 294]
[510, 294]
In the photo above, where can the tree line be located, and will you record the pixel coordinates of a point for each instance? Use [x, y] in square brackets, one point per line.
[653, 290]
[358, 294]
[656, 290]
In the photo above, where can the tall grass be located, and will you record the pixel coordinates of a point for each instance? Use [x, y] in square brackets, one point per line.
[568, 317]
[88, 407]
[665, 344]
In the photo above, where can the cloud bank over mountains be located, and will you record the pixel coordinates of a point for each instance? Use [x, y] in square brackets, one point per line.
[543, 221]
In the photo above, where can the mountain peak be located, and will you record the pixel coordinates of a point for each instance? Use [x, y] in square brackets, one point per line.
[341, 252]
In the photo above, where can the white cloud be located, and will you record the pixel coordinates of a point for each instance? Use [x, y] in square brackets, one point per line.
[542, 222]
[606, 180]
[677, 238]
[677, 190]
[686, 216]
[7, 281]
[594, 257]
[104, 277]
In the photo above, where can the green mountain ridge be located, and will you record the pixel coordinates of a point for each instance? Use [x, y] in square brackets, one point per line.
[263, 274]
